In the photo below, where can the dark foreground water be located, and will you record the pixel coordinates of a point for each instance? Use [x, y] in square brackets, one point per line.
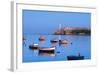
[80, 44]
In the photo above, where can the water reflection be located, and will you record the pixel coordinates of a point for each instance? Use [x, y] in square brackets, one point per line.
[41, 42]
[81, 45]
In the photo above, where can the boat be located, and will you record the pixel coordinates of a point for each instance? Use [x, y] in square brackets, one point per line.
[47, 51]
[33, 46]
[54, 41]
[63, 42]
[79, 57]
[42, 38]
[75, 57]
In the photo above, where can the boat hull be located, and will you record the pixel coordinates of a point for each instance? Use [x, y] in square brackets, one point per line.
[75, 57]
[33, 47]
[47, 51]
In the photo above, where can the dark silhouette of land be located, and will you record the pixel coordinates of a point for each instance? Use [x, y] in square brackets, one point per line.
[73, 31]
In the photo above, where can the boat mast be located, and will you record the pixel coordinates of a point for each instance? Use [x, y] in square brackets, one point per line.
[60, 31]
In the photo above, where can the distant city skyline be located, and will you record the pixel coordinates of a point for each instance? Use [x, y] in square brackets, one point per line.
[46, 22]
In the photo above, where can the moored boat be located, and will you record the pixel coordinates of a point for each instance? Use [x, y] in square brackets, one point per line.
[75, 57]
[42, 38]
[33, 46]
[63, 42]
[49, 51]
[54, 41]
[79, 57]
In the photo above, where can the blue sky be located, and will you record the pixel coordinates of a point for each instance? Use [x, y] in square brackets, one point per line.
[46, 22]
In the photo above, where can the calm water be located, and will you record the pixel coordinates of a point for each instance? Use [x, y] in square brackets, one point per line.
[80, 44]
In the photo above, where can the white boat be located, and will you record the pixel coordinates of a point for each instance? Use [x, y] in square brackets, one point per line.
[47, 51]
[34, 46]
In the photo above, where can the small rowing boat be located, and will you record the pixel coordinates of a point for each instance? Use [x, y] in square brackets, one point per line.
[49, 51]
[54, 41]
[42, 38]
[63, 42]
[33, 46]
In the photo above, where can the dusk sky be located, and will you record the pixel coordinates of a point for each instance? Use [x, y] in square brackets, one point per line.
[46, 22]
